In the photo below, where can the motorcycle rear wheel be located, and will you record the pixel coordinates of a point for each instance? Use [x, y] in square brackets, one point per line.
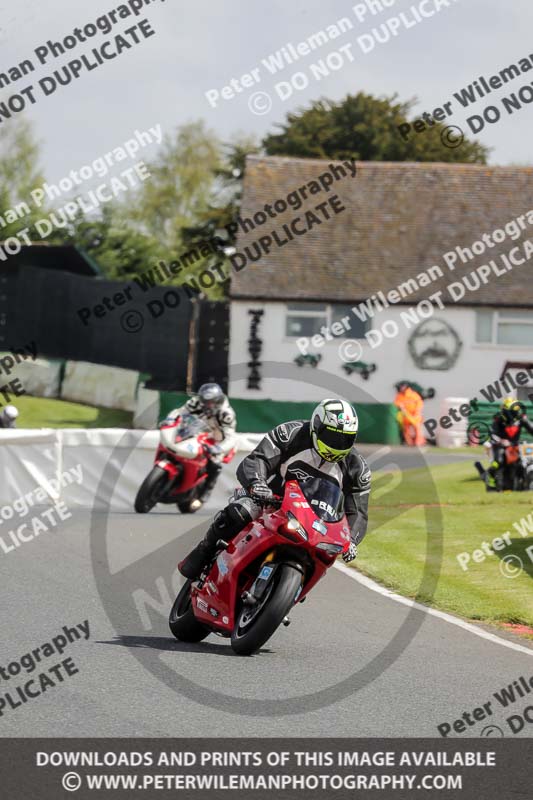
[182, 622]
[252, 630]
[150, 490]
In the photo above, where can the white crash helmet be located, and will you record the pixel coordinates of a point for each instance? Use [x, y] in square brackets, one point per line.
[334, 427]
[10, 413]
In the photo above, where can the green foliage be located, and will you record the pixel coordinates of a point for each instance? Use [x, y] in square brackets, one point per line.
[129, 237]
[119, 249]
[19, 173]
[222, 210]
[180, 187]
[365, 128]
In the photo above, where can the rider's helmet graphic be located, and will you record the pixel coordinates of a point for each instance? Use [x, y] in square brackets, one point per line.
[334, 427]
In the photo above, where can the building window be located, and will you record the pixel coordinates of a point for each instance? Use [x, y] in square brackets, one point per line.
[357, 328]
[484, 324]
[505, 327]
[306, 319]
[515, 327]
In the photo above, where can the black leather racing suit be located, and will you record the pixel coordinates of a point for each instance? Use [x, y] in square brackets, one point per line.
[502, 430]
[283, 454]
[287, 453]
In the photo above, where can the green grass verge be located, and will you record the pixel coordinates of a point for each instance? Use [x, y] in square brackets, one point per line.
[476, 450]
[404, 551]
[44, 412]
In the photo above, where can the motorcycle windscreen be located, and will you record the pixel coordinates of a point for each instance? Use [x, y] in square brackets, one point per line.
[190, 425]
[325, 498]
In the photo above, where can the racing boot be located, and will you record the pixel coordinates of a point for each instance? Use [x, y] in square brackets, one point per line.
[193, 564]
[213, 471]
[226, 525]
[490, 479]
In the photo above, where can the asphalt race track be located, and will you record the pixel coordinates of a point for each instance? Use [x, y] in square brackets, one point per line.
[333, 672]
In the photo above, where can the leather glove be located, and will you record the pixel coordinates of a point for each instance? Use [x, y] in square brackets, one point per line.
[213, 449]
[261, 490]
[350, 554]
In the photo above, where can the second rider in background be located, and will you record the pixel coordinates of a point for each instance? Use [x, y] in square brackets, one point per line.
[211, 405]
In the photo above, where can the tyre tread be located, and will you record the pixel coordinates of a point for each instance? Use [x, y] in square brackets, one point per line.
[186, 628]
[271, 617]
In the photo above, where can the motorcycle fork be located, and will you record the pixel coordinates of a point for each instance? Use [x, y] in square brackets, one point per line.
[259, 586]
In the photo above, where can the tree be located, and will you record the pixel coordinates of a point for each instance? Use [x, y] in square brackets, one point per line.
[180, 186]
[19, 176]
[119, 249]
[213, 222]
[131, 236]
[365, 128]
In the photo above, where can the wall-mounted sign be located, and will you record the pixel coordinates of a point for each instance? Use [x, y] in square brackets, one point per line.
[311, 359]
[434, 344]
[255, 346]
[361, 367]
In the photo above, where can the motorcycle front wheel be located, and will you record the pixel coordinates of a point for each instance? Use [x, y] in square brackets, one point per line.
[151, 490]
[187, 508]
[187, 503]
[256, 624]
[182, 622]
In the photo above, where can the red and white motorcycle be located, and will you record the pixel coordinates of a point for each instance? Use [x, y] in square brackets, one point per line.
[180, 465]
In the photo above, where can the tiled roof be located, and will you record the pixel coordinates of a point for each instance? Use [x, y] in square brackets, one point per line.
[400, 219]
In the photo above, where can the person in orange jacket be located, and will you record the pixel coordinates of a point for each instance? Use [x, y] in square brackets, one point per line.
[410, 414]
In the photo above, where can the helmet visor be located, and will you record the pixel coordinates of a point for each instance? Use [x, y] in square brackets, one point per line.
[336, 440]
[328, 454]
[212, 405]
[334, 445]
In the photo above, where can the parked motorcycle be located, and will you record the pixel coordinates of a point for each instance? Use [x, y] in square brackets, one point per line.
[247, 591]
[179, 470]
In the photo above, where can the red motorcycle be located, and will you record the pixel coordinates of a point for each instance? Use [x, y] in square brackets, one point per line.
[249, 588]
[179, 470]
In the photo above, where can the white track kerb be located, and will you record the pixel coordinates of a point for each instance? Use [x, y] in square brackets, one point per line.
[467, 626]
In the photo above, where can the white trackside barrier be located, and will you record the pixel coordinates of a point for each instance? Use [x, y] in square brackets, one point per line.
[99, 385]
[456, 434]
[40, 378]
[69, 464]
[29, 460]
[146, 414]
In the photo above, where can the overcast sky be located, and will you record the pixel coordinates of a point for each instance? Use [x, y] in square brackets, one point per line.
[201, 46]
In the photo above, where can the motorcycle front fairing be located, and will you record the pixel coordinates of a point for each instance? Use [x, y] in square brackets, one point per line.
[181, 451]
[271, 539]
[182, 435]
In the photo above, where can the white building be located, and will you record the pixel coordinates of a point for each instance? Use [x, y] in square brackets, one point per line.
[444, 250]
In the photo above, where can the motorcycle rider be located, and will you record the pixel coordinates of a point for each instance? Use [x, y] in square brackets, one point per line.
[506, 428]
[323, 447]
[212, 406]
